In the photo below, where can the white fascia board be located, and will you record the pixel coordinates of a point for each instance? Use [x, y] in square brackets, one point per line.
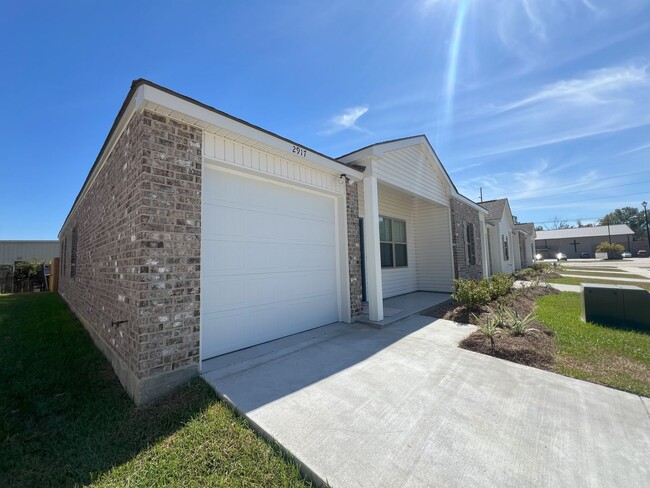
[172, 102]
[358, 155]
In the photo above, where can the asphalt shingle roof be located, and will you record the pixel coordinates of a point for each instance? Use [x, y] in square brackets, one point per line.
[596, 231]
[494, 208]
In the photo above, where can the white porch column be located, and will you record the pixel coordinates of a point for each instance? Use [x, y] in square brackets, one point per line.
[485, 253]
[374, 288]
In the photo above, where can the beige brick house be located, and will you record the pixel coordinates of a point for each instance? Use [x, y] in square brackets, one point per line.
[197, 234]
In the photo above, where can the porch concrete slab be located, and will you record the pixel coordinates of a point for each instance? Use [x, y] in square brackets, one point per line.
[404, 406]
[403, 306]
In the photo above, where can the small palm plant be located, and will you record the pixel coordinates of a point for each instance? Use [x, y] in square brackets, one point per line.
[520, 326]
[490, 328]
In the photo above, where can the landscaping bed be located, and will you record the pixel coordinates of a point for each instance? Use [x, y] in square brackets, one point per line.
[534, 348]
[539, 326]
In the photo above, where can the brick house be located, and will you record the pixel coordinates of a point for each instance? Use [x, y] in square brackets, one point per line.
[196, 234]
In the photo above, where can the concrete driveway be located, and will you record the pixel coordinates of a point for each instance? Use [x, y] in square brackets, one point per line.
[404, 406]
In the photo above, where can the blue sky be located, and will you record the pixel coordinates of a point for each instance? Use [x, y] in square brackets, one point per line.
[544, 101]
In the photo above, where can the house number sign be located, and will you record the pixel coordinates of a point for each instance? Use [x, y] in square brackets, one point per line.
[300, 151]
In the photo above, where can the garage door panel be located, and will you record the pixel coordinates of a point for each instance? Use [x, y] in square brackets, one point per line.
[236, 329]
[256, 194]
[268, 261]
[237, 223]
[246, 257]
[242, 291]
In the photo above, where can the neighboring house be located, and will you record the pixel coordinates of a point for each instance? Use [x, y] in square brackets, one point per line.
[526, 233]
[12, 251]
[505, 242]
[196, 234]
[574, 242]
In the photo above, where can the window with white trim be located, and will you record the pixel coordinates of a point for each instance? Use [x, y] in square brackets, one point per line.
[470, 244]
[506, 250]
[392, 243]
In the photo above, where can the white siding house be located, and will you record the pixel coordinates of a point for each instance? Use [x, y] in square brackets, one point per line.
[503, 239]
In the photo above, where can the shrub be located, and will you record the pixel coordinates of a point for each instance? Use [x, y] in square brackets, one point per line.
[610, 247]
[542, 268]
[471, 293]
[500, 285]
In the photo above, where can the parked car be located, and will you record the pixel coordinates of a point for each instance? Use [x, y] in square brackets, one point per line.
[626, 254]
[561, 256]
[584, 255]
[539, 257]
[642, 253]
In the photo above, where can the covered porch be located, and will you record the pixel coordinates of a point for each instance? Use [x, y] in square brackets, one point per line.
[407, 254]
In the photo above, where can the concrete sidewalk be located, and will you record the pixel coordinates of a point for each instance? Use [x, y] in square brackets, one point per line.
[622, 279]
[404, 406]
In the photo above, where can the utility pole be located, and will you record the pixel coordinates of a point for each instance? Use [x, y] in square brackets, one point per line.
[645, 212]
[609, 233]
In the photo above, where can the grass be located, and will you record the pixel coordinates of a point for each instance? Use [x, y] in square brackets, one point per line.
[568, 280]
[610, 356]
[66, 421]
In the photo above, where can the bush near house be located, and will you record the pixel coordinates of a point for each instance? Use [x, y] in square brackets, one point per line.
[473, 294]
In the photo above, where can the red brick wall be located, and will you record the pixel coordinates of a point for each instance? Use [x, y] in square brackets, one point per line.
[462, 213]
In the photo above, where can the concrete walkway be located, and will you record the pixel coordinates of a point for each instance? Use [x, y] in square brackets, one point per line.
[404, 406]
[557, 286]
[608, 278]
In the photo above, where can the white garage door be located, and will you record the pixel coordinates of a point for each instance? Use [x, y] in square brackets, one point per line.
[268, 257]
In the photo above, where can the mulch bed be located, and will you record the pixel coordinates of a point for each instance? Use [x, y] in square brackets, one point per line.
[532, 349]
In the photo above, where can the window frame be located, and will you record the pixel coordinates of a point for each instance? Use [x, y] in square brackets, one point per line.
[73, 252]
[392, 242]
[470, 244]
[506, 248]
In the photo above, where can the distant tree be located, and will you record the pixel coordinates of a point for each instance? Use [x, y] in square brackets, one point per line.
[613, 247]
[558, 223]
[580, 224]
[631, 216]
[539, 227]
[515, 220]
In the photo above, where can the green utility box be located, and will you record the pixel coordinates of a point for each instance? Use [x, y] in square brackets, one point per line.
[620, 305]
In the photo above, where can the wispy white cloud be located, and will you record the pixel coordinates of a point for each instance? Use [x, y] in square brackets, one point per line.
[594, 88]
[599, 102]
[346, 120]
[634, 149]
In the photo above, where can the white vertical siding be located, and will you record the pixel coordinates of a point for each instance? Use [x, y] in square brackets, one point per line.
[258, 161]
[411, 169]
[432, 247]
[397, 281]
[428, 244]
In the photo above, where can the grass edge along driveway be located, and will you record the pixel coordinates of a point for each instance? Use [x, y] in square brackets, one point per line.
[610, 356]
[66, 421]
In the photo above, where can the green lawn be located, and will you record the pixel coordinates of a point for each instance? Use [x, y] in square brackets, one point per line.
[66, 421]
[607, 355]
[567, 280]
